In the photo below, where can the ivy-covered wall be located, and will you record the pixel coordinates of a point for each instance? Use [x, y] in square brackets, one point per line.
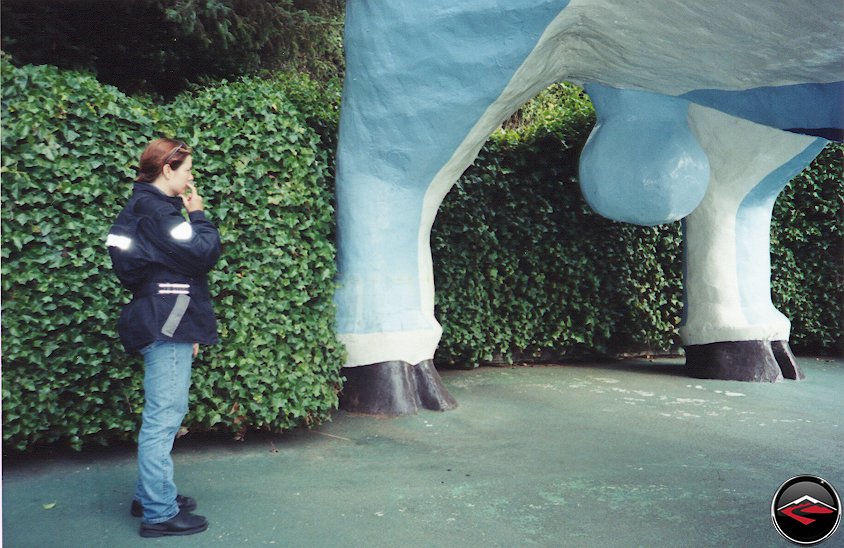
[807, 254]
[69, 150]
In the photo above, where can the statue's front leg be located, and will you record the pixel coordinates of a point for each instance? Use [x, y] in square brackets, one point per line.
[426, 83]
[385, 300]
[731, 330]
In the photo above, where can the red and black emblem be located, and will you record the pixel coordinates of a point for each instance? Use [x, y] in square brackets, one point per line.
[806, 510]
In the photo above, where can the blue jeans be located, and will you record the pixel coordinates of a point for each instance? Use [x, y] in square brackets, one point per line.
[167, 367]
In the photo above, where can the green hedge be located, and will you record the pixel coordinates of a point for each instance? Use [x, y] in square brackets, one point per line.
[69, 150]
[525, 270]
[807, 248]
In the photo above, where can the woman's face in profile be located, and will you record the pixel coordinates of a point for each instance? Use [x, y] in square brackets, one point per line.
[179, 179]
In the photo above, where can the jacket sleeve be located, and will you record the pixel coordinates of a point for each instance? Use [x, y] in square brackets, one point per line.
[188, 247]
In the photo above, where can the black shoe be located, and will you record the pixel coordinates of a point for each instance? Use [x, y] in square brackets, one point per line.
[184, 523]
[185, 503]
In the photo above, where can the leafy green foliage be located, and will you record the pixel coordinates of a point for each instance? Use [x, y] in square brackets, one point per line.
[70, 146]
[525, 270]
[165, 45]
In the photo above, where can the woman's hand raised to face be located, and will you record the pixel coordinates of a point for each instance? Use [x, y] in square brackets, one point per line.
[193, 202]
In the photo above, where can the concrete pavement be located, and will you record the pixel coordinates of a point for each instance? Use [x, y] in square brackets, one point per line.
[627, 453]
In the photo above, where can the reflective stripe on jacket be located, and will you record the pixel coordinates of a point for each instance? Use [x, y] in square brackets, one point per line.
[164, 260]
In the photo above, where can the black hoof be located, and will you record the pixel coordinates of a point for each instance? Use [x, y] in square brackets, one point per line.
[752, 361]
[787, 361]
[394, 388]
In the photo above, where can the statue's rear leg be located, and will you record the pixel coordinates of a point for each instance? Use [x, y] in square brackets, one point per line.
[731, 329]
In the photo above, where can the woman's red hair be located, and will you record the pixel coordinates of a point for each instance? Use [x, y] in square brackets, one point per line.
[159, 153]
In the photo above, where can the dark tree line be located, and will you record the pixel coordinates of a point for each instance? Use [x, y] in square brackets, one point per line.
[165, 46]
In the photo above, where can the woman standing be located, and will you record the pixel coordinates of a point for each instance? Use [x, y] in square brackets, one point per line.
[163, 259]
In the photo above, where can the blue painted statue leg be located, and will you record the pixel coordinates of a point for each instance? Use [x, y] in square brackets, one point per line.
[731, 329]
[394, 335]
[418, 104]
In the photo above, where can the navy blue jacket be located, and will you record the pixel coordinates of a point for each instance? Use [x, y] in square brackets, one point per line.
[164, 261]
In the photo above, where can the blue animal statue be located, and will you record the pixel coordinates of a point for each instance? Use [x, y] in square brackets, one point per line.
[705, 111]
